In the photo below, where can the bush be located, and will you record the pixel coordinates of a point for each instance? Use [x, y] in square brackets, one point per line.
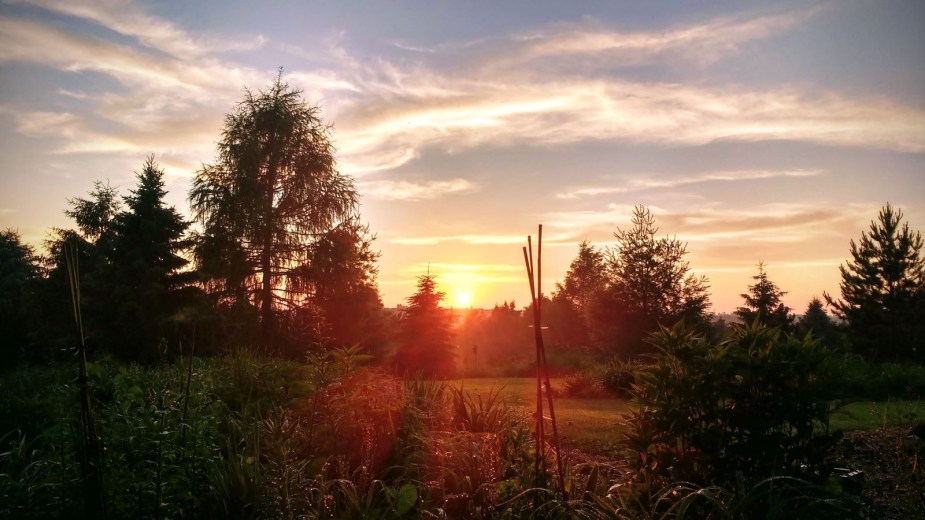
[862, 379]
[584, 385]
[618, 377]
[758, 404]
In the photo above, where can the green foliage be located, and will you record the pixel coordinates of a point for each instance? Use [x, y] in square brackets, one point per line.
[648, 284]
[860, 379]
[763, 303]
[272, 192]
[883, 291]
[425, 334]
[758, 404]
[619, 377]
[584, 385]
[149, 295]
[19, 279]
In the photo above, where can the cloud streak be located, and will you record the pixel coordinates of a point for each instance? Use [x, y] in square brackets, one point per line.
[648, 182]
[388, 113]
[415, 191]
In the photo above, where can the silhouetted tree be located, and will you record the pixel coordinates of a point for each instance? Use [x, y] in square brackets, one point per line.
[763, 303]
[94, 217]
[272, 192]
[648, 284]
[817, 322]
[564, 325]
[585, 278]
[883, 290]
[149, 288]
[19, 277]
[499, 335]
[425, 334]
[582, 285]
[341, 279]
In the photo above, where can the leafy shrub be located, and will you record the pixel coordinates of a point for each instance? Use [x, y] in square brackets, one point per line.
[584, 385]
[757, 404]
[618, 377]
[862, 379]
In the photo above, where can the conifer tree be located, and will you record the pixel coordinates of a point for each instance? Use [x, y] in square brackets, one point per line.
[425, 334]
[273, 190]
[19, 276]
[763, 302]
[145, 268]
[883, 290]
[648, 284]
[817, 322]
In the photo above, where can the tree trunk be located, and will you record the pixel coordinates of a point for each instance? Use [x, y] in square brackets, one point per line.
[267, 340]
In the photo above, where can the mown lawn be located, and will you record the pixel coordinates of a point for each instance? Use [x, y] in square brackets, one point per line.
[588, 424]
[592, 424]
[868, 415]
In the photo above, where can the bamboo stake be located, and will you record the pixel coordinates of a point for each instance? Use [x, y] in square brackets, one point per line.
[540, 458]
[538, 333]
[91, 463]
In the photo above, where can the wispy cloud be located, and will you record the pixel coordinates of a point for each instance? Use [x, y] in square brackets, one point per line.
[176, 89]
[413, 191]
[764, 223]
[128, 19]
[467, 274]
[439, 267]
[469, 239]
[632, 183]
[703, 42]
[587, 109]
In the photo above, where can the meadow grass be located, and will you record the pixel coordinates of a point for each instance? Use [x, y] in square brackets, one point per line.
[868, 415]
[588, 424]
[593, 425]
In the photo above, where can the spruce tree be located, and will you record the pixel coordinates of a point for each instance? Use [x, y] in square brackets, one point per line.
[649, 284]
[763, 302]
[817, 322]
[425, 334]
[883, 290]
[145, 269]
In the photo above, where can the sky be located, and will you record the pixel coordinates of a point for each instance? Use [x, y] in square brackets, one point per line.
[753, 131]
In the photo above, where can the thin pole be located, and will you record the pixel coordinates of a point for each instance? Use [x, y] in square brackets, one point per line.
[541, 347]
[539, 458]
[91, 462]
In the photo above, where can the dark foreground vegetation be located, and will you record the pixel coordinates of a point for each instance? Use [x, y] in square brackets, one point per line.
[249, 370]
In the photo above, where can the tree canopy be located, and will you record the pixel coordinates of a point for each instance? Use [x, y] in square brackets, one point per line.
[425, 334]
[883, 290]
[145, 268]
[763, 303]
[648, 284]
[272, 192]
[19, 272]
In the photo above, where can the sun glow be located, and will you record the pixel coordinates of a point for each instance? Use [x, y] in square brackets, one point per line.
[462, 299]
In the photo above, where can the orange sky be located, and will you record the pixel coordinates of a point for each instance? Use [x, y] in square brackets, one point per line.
[753, 133]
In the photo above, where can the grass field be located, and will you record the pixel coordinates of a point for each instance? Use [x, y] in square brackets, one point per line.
[593, 424]
[867, 415]
[589, 424]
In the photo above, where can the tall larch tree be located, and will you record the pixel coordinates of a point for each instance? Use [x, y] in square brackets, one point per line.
[883, 290]
[272, 191]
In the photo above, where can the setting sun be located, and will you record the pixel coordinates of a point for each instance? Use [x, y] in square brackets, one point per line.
[462, 299]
